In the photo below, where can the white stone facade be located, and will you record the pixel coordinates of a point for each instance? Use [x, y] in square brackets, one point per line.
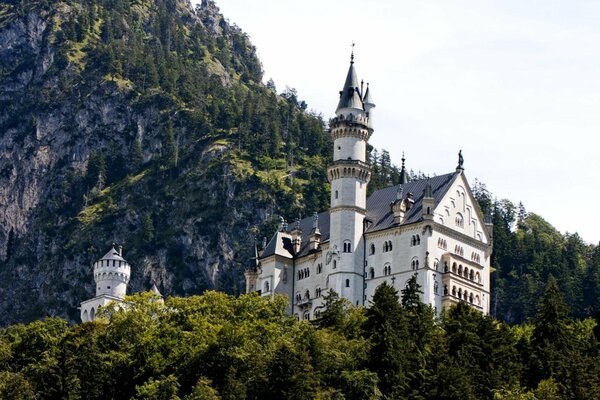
[433, 228]
[111, 274]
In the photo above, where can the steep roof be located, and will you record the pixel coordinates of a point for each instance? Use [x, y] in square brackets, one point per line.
[368, 99]
[350, 94]
[112, 255]
[379, 213]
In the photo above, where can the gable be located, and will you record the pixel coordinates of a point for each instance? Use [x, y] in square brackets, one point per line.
[459, 211]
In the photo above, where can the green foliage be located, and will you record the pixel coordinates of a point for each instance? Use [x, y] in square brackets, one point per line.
[216, 346]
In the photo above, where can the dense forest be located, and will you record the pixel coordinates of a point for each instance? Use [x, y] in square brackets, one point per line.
[216, 346]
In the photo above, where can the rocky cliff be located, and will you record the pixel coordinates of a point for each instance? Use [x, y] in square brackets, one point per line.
[144, 123]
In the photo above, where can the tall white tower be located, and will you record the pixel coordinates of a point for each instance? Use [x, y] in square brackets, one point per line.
[349, 175]
[111, 274]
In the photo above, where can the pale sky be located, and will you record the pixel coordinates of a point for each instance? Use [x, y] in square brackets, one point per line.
[514, 84]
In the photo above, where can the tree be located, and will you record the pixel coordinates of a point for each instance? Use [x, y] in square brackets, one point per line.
[386, 328]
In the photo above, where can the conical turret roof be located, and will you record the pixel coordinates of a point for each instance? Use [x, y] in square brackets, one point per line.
[350, 94]
[367, 98]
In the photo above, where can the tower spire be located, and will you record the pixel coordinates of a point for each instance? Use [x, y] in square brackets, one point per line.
[404, 177]
[352, 53]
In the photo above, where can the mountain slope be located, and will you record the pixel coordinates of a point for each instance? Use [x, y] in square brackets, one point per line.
[144, 123]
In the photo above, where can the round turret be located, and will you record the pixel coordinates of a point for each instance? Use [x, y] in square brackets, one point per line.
[112, 274]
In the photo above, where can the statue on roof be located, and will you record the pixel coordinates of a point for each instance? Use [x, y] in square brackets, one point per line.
[461, 160]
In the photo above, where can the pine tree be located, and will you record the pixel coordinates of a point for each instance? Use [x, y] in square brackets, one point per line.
[386, 328]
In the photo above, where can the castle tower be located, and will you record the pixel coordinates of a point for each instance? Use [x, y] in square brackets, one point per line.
[111, 274]
[349, 175]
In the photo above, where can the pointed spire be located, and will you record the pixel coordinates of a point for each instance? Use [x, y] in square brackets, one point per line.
[367, 98]
[404, 177]
[350, 96]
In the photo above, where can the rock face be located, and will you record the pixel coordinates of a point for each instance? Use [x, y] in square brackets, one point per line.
[143, 123]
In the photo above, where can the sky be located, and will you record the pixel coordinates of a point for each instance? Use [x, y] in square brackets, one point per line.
[514, 84]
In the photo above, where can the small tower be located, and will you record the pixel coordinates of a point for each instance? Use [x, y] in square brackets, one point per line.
[111, 274]
[349, 175]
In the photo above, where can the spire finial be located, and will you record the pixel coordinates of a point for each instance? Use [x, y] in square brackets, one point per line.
[352, 54]
[404, 177]
[461, 161]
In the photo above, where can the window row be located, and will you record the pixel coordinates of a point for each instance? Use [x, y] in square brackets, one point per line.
[303, 273]
[387, 270]
[415, 241]
[458, 250]
[442, 244]
[465, 272]
[463, 295]
[475, 258]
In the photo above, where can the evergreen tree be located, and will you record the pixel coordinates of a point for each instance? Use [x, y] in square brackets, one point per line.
[386, 328]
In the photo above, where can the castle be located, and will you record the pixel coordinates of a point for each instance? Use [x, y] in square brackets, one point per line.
[111, 275]
[432, 227]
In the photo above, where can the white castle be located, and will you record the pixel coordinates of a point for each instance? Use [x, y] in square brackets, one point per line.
[111, 274]
[430, 227]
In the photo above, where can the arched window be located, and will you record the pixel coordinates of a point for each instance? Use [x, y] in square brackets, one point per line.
[478, 277]
[336, 194]
[347, 282]
[471, 298]
[385, 246]
[459, 220]
[347, 247]
[418, 240]
[317, 313]
[445, 290]
[387, 269]
[466, 273]
[318, 292]
[371, 273]
[460, 269]
[92, 314]
[413, 241]
[446, 269]
[298, 297]
[471, 275]
[306, 315]
[453, 290]
[319, 268]
[465, 296]
[334, 264]
[478, 300]
[307, 294]
[266, 287]
[372, 248]
[85, 316]
[435, 287]
[390, 246]
[454, 267]
[460, 293]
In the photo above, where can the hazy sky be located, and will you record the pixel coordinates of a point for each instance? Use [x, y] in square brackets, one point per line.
[514, 84]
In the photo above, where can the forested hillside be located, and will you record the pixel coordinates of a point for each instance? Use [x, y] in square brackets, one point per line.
[219, 347]
[143, 123]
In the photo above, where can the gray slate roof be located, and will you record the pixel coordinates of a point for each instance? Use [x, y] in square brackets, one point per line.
[379, 211]
[350, 95]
